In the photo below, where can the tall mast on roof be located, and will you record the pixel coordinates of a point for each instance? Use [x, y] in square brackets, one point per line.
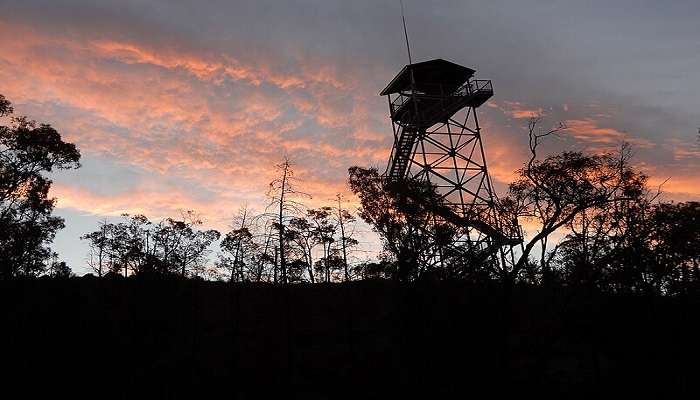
[405, 33]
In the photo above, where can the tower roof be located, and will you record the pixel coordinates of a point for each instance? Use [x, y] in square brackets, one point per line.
[429, 76]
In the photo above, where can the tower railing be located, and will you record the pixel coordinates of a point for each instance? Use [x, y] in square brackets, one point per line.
[478, 86]
[473, 93]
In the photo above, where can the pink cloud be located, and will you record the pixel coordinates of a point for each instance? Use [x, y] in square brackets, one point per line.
[156, 110]
[590, 131]
[213, 121]
[517, 110]
[685, 151]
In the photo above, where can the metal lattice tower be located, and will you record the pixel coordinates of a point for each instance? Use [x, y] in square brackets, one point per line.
[437, 138]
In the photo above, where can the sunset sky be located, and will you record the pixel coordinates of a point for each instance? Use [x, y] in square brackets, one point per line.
[189, 104]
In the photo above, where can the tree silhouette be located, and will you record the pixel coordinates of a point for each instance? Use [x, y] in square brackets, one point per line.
[282, 193]
[137, 246]
[398, 213]
[556, 190]
[633, 247]
[675, 237]
[99, 245]
[324, 229]
[343, 219]
[29, 151]
[5, 106]
[188, 244]
[267, 255]
[603, 243]
[239, 247]
[304, 235]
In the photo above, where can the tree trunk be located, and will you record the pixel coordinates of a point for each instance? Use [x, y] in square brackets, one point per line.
[235, 264]
[342, 241]
[310, 263]
[283, 261]
[275, 266]
[99, 260]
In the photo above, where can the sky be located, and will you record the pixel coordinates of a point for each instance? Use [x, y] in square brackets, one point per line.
[179, 105]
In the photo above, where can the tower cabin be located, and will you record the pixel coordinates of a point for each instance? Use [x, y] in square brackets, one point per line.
[430, 92]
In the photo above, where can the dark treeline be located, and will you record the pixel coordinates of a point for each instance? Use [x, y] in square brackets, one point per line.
[286, 244]
[592, 222]
[185, 339]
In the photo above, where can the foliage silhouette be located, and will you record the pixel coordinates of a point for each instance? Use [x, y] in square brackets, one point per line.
[28, 152]
[238, 245]
[634, 247]
[136, 246]
[617, 237]
[398, 213]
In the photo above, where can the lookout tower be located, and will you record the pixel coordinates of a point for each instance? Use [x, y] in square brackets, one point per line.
[437, 138]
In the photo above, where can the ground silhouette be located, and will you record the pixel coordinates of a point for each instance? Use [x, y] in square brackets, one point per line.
[139, 338]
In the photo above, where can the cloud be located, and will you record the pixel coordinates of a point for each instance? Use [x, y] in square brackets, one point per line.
[135, 201]
[202, 100]
[213, 68]
[517, 110]
[600, 137]
[676, 187]
[207, 120]
[686, 151]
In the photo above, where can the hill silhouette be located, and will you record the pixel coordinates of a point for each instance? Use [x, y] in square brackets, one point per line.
[135, 338]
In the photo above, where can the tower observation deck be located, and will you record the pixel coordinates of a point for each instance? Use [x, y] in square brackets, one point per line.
[425, 94]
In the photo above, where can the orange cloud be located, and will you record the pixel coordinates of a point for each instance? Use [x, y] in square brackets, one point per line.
[677, 187]
[209, 67]
[684, 151]
[138, 201]
[212, 122]
[589, 130]
[154, 109]
[516, 109]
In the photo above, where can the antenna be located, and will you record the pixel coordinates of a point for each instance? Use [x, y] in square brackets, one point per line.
[405, 33]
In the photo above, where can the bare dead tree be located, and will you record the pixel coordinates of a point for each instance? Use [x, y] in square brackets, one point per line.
[283, 195]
